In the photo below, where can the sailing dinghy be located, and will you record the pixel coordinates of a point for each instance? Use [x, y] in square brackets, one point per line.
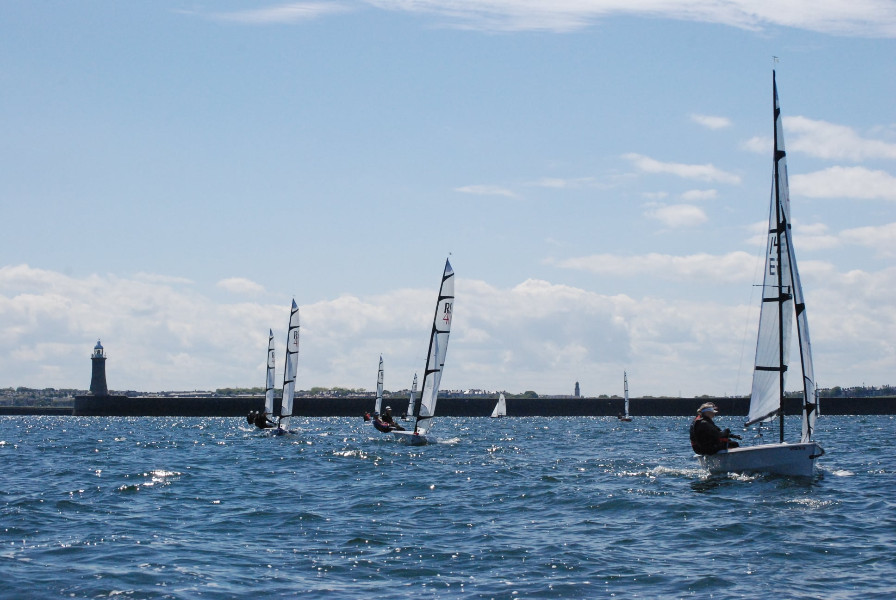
[269, 379]
[380, 421]
[626, 416]
[411, 400]
[435, 361]
[500, 408]
[289, 372]
[782, 297]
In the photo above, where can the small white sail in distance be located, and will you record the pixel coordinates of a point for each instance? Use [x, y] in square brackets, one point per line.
[500, 409]
[412, 400]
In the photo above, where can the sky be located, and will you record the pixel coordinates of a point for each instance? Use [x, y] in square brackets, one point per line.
[598, 171]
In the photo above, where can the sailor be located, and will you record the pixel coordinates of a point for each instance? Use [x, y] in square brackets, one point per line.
[389, 421]
[263, 422]
[250, 418]
[706, 437]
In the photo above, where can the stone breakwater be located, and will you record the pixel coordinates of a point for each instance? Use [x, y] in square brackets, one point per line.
[124, 406]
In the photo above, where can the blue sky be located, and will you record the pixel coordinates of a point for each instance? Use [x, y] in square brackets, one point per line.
[175, 173]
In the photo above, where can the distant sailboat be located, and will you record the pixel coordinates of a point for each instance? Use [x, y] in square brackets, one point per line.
[412, 400]
[378, 406]
[263, 420]
[626, 416]
[382, 421]
[269, 379]
[289, 372]
[782, 297]
[500, 408]
[435, 361]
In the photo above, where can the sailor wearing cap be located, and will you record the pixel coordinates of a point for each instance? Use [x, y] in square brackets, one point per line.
[706, 437]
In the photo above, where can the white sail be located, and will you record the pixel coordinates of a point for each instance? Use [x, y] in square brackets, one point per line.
[413, 398]
[438, 348]
[501, 407]
[269, 379]
[379, 389]
[776, 313]
[292, 364]
[625, 384]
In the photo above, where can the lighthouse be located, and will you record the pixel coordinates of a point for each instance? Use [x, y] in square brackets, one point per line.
[98, 377]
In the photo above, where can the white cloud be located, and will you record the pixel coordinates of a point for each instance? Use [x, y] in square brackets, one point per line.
[845, 182]
[824, 140]
[536, 335]
[861, 17]
[695, 195]
[241, 285]
[731, 267]
[291, 12]
[559, 183]
[485, 190]
[698, 172]
[829, 141]
[677, 215]
[711, 122]
[812, 237]
[881, 238]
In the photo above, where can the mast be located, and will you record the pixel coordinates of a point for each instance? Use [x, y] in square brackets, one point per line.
[781, 224]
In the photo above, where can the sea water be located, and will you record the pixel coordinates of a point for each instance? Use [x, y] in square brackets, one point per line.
[499, 508]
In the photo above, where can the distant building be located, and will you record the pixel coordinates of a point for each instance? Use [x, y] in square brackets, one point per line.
[98, 377]
[578, 393]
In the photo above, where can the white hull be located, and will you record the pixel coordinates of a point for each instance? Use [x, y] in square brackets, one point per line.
[411, 438]
[777, 459]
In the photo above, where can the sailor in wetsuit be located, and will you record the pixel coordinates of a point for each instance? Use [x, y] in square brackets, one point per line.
[263, 422]
[388, 420]
[706, 437]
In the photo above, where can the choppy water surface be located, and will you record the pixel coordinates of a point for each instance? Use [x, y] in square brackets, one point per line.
[501, 508]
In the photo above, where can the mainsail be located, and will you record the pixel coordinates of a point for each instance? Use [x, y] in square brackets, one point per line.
[379, 389]
[500, 409]
[269, 380]
[413, 399]
[625, 384]
[438, 348]
[782, 296]
[292, 364]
